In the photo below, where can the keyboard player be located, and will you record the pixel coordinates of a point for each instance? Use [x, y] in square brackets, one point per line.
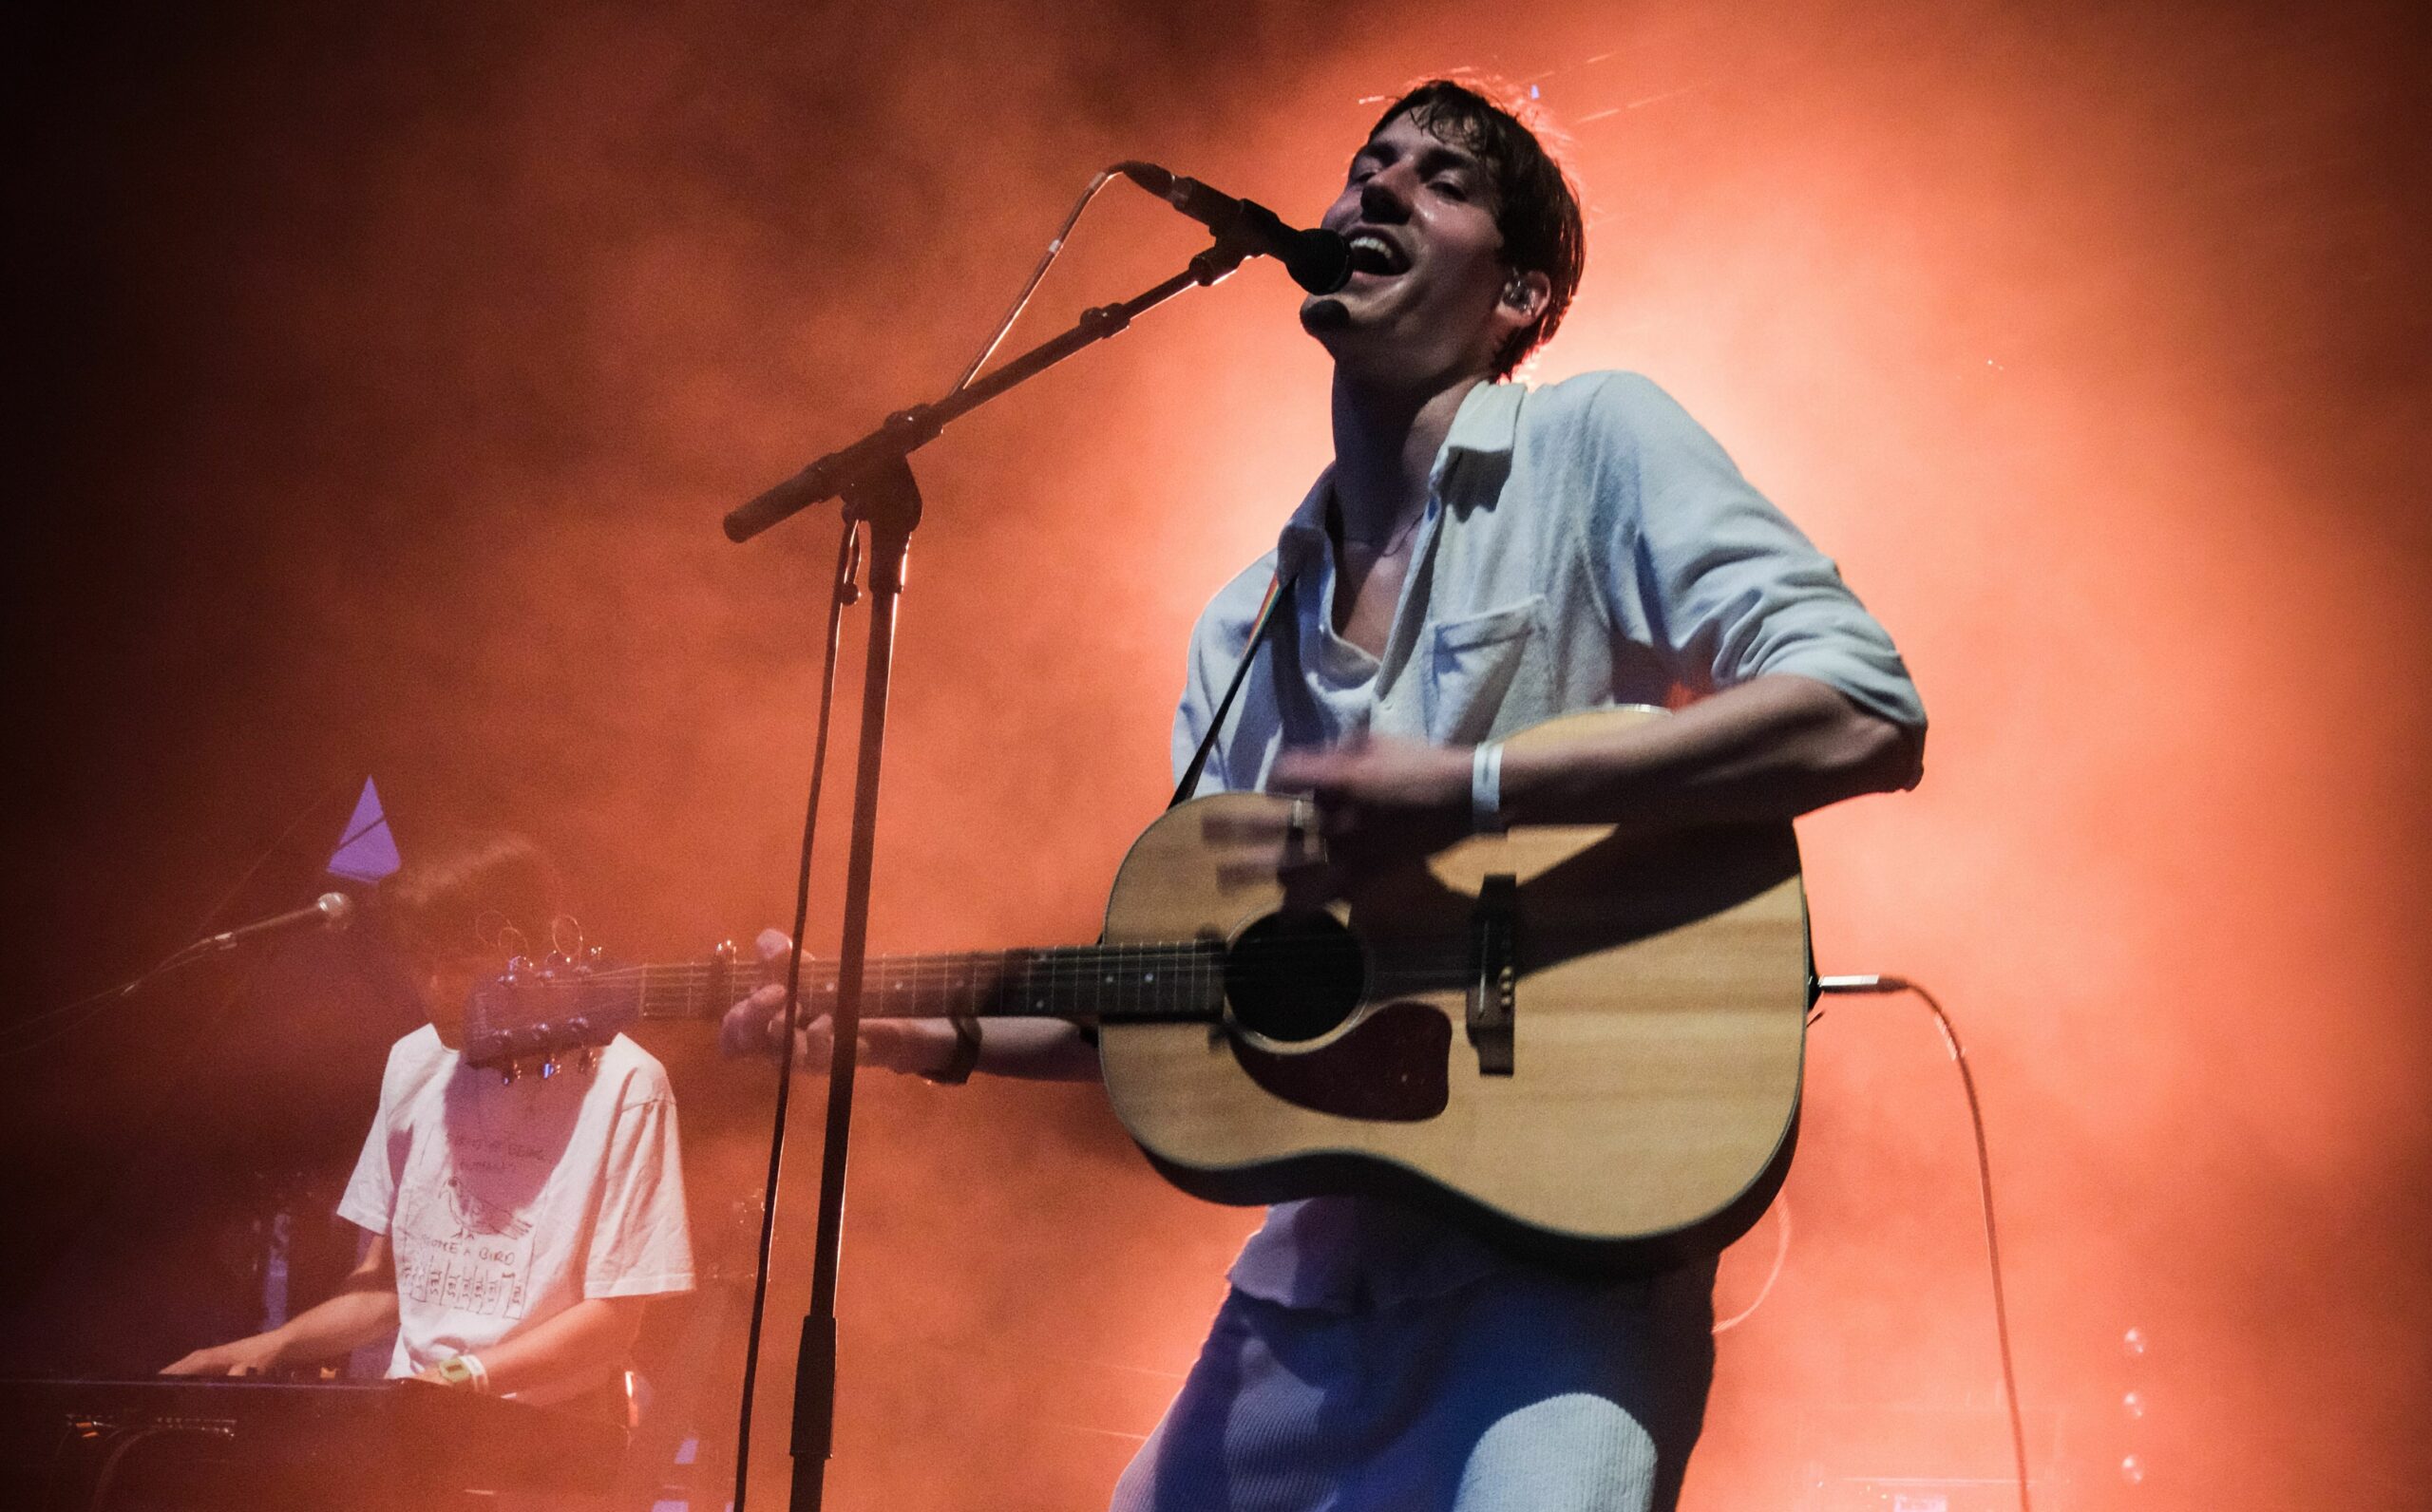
[516, 1230]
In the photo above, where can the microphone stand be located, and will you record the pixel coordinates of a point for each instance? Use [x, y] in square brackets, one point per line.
[908, 430]
[874, 476]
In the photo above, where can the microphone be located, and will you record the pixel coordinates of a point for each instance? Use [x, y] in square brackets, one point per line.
[1318, 260]
[331, 909]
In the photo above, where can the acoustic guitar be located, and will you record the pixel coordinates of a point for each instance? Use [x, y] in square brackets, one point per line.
[1584, 1043]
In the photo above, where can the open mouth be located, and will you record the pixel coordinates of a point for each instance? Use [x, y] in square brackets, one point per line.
[1371, 254]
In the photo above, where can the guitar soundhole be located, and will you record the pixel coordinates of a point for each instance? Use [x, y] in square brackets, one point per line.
[1294, 977]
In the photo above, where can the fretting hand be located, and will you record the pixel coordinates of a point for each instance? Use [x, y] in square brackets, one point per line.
[756, 1024]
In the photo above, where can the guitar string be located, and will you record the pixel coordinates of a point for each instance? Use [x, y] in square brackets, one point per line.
[907, 965]
[1077, 970]
[1044, 975]
[1142, 968]
[1083, 955]
[1103, 964]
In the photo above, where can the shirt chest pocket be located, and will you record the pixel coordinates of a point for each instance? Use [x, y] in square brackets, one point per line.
[1479, 664]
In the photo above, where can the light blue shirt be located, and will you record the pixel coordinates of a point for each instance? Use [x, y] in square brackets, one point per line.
[1584, 544]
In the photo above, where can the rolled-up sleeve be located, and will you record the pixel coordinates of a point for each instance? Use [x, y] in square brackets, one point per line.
[1724, 586]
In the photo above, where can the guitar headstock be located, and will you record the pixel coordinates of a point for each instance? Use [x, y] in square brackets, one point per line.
[538, 1016]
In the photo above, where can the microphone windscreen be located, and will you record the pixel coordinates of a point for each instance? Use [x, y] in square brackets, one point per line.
[1320, 262]
[1322, 314]
[1158, 181]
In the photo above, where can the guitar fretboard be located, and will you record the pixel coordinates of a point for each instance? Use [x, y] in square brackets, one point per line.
[1091, 983]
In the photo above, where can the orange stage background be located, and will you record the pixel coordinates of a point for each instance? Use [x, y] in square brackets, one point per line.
[390, 369]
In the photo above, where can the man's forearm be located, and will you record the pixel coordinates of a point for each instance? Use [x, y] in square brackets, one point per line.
[1772, 748]
[589, 1338]
[1039, 1050]
[320, 1333]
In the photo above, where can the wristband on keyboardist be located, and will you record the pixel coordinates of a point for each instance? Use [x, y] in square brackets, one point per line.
[465, 1370]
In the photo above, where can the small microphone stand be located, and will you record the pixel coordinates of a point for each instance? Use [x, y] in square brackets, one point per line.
[874, 478]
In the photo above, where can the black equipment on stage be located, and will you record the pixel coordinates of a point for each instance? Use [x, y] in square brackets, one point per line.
[882, 506]
[180, 1439]
[329, 911]
[1318, 260]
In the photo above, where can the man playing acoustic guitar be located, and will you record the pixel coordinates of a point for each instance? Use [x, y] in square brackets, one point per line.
[1481, 556]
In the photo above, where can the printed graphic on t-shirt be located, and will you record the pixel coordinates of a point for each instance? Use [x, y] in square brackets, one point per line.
[464, 1241]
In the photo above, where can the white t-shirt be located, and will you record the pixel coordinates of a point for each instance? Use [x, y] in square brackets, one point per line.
[505, 1204]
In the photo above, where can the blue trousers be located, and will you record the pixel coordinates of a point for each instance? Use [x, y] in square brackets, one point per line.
[1524, 1391]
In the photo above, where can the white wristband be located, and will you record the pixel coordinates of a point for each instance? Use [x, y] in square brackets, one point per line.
[1486, 788]
[481, 1373]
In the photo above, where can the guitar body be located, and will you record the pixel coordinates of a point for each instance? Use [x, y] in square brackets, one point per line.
[1658, 988]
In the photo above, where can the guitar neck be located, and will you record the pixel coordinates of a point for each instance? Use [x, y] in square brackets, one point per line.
[1085, 983]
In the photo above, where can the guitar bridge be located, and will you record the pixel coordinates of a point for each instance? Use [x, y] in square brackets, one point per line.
[1494, 972]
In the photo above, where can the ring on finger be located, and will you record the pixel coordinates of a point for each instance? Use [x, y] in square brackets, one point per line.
[1304, 844]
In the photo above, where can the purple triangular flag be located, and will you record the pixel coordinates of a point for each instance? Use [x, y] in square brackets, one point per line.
[368, 851]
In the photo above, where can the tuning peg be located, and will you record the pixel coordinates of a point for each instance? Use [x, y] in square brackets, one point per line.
[510, 1073]
[548, 1067]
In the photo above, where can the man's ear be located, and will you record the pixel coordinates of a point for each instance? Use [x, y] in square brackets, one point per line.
[1526, 292]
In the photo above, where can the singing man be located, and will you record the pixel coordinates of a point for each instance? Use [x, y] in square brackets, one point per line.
[1479, 556]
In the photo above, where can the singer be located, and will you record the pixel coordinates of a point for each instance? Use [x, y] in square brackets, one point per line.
[1480, 556]
[514, 1232]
